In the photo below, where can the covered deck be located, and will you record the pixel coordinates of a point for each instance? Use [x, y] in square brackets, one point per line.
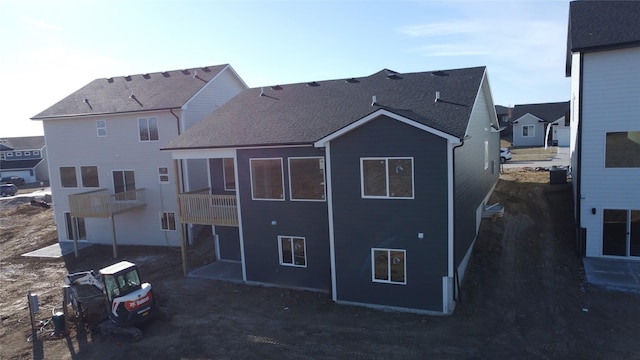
[200, 207]
[101, 204]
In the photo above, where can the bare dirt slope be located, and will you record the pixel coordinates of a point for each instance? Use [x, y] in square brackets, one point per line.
[524, 297]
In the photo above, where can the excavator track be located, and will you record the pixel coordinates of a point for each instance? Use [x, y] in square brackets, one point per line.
[110, 328]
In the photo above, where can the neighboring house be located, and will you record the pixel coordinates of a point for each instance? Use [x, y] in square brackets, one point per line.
[531, 124]
[504, 114]
[370, 188]
[103, 144]
[25, 157]
[603, 60]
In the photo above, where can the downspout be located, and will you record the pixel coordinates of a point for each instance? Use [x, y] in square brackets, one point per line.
[177, 168]
[457, 297]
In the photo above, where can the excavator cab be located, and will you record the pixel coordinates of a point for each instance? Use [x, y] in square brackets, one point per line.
[128, 300]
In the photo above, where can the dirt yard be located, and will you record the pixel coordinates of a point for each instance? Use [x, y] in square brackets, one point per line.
[524, 297]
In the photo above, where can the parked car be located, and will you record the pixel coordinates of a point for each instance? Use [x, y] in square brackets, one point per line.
[8, 190]
[505, 155]
[15, 180]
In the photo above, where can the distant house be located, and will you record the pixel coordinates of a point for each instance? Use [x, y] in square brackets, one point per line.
[531, 121]
[104, 141]
[504, 114]
[603, 61]
[25, 157]
[371, 188]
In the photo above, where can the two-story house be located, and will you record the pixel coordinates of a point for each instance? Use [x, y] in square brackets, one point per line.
[25, 157]
[603, 61]
[370, 188]
[104, 142]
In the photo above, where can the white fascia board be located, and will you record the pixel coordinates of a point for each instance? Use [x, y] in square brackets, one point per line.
[332, 247]
[203, 154]
[382, 112]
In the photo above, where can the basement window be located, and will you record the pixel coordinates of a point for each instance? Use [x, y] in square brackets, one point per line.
[292, 251]
[168, 221]
[388, 266]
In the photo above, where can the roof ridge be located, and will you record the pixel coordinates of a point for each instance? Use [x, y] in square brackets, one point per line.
[204, 68]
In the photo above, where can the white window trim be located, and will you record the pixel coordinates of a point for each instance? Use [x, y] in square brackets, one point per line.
[146, 119]
[36, 152]
[175, 220]
[27, 153]
[98, 128]
[293, 264]
[373, 266]
[486, 154]
[9, 154]
[530, 133]
[18, 153]
[82, 177]
[386, 159]
[160, 175]
[324, 176]
[284, 196]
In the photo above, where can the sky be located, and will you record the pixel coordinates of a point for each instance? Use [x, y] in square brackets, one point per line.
[51, 48]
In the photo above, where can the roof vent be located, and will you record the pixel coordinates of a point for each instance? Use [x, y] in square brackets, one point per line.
[352, 81]
[146, 76]
[277, 87]
[206, 69]
[86, 101]
[373, 100]
[165, 74]
[185, 72]
[439, 73]
[393, 76]
[437, 96]
[313, 83]
[196, 76]
[109, 80]
[128, 77]
[132, 96]
[261, 91]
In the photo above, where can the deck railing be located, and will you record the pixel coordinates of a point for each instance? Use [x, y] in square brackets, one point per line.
[199, 207]
[100, 203]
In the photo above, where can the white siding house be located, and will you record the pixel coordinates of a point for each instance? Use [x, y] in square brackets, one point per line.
[109, 180]
[532, 121]
[605, 142]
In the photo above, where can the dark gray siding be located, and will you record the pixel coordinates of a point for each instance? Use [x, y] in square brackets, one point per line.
[294, 218]
[362, 224]
[472, 181]
[228, 236]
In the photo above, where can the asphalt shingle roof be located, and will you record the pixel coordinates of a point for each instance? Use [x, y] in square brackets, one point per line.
[153, 91]
[548, 112]
[22, 143]
[596, 25]
[306, 112]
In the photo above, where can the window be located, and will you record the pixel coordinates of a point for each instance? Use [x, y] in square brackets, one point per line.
[101, 128]
[2, 155]
[622, 150]
[18, 153]
[306, 178]
[228, 169]
[388, 266]
[124, 185]
[292, 251]
[528, 131]
[387, 177]
[163, 175]
[77, 225]
[267, 179]
[27, 153]
[9, 154]
[486, 154]
[168, 221]
[89, 176]
[68, 177]
[148, 127]
[36, 152]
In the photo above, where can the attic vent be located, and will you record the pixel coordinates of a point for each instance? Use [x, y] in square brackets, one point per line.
[261, 91]
[206, 69]
[185, 72]
[146, 76]
[352, 81]
[109, 80]
[439, 73]
[277, 87]
[393, 76]
[373, 100]
[128, 77]
[437, 96]
[165, 74]
[313, 83]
